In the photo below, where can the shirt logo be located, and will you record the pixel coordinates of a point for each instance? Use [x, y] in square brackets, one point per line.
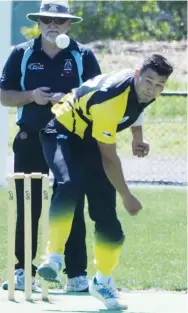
[23, 135]
[107, 134]
[61, 136]
[68, 65]
[124, 119]
[53, 8]
[67, 68]
[35, 66]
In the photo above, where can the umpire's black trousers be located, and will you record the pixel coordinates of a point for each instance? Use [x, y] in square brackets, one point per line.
[28, 158]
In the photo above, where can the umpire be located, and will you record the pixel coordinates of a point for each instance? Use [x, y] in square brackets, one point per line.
[36, 75]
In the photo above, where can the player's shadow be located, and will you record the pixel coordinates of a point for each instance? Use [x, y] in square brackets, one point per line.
[78, 294]
[98, 311]
[68, 293]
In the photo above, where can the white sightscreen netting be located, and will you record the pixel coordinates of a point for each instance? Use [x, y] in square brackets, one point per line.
[5, 18]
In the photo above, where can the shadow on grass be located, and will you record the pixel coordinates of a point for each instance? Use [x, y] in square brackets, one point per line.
[98, 311]
[63, 293]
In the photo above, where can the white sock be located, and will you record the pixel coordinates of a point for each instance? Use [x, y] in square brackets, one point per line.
[102, 279]
[56, 258]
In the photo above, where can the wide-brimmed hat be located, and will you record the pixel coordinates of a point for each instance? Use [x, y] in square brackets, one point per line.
[54, 9]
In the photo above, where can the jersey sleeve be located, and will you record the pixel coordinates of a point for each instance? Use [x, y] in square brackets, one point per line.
[11, 75]
[90, 65]
[139, 121]
[105, 120]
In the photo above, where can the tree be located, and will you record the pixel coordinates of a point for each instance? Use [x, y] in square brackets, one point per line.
[127, 20]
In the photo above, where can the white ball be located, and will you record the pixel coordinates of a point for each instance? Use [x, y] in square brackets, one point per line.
[62, 41]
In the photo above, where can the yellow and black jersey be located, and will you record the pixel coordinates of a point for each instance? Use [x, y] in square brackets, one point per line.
[108, 103]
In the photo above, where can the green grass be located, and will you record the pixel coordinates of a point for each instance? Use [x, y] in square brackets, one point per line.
[167, 108]
[165, 127]
[154, 254]
[173, 84]
[166, 139]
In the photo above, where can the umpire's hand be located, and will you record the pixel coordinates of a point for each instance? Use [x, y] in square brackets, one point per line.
[42, 95]
[56, 97]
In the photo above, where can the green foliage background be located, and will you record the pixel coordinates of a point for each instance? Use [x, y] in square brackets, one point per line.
[126, 20]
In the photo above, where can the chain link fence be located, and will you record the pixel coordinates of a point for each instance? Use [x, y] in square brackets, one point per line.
[165, 122]
[167, 135]
[165, 128]
[156, 170]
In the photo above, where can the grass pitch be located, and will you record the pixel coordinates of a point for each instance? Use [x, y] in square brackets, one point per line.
[154, 253]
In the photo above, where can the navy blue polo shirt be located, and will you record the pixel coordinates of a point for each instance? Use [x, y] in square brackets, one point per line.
[29, 67]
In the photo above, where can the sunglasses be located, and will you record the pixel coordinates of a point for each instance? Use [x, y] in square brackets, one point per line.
[57, 20]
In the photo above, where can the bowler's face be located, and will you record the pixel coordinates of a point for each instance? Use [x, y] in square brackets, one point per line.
[149, 85]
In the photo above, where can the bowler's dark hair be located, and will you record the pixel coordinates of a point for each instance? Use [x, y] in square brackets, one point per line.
[157, 63]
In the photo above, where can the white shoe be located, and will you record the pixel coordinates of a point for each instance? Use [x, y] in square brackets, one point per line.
[79, 283]
[108, 294]
[50, 271]
[19, 281]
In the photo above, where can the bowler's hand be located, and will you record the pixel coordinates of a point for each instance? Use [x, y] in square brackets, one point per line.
[132, 204]
[41, 95]
[140, 148]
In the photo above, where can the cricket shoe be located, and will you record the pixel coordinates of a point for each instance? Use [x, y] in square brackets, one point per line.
[50, 271]
[79, 283]
[108, 294]
[19, 281]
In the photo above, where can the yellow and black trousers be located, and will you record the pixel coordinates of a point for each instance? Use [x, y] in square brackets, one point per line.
[77, 167]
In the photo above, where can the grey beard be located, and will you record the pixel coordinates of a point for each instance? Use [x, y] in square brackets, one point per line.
[51, 39]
